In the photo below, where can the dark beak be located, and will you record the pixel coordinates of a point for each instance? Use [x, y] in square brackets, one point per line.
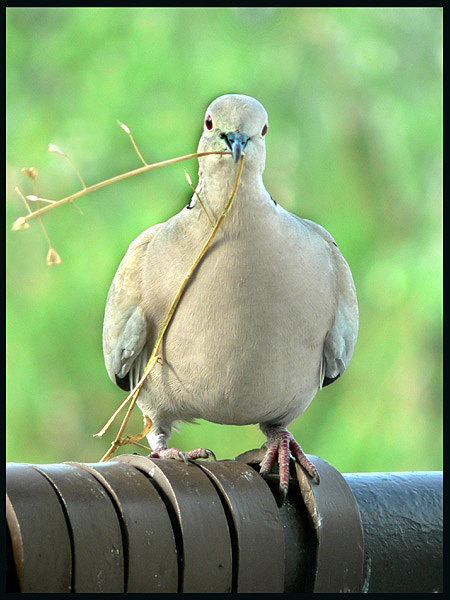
[236, 142]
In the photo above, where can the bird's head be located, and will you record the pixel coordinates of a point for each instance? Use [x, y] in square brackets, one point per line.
[238, 124]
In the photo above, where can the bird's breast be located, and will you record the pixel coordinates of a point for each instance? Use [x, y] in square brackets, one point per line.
[247, 335]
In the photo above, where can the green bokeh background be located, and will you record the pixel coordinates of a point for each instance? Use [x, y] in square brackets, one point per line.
[354, 98]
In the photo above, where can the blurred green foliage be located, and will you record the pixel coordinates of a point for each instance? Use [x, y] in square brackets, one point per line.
[354, 98]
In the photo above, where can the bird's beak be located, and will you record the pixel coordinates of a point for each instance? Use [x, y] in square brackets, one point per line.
[236, 142]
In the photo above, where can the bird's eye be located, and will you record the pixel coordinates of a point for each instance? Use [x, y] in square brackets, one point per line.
[264, 130]
[208, 123]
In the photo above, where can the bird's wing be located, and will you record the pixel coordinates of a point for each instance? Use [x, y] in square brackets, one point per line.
[341, 339]
[125, 328]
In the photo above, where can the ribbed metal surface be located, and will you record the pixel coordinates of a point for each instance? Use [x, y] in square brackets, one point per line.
[93, 526]
[150, 554]
[334, 514]
[37, 526]
[149, 526]
[142, 525]
[200, 524]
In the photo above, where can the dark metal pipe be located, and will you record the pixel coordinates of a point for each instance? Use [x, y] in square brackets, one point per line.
[143, 525]
[401, 515]
[402, 520]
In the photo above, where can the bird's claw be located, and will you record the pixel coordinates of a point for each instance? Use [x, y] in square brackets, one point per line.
[279, 448]
[184, 456]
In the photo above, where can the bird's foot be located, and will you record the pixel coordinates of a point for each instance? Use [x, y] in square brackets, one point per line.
[178, 455]
[280, 443]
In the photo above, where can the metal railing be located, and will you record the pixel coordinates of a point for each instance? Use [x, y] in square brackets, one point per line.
[141, 525]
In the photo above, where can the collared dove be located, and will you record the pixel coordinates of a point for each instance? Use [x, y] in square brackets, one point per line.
[268, 318]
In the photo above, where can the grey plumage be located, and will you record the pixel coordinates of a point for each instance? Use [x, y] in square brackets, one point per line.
[269, 316]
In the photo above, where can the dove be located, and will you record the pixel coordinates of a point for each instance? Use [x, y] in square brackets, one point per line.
[268, 318]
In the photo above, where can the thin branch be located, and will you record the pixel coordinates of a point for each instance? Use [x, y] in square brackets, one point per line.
[56, 150]
[106, 182]
[154, 355]
[137, 387]
[118, 441]
[189, 180]
[53, 257]
[135, 146]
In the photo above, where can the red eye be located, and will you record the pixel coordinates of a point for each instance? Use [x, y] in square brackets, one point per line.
[264, 130]
[208, 123]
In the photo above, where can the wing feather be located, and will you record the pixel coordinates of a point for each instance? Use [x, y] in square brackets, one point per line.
[340, 341]
[125, 329]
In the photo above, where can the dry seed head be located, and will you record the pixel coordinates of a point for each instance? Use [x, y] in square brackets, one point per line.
[20, 224]
[124, 127]
[53, 258]
[31, 173]
[55, 150]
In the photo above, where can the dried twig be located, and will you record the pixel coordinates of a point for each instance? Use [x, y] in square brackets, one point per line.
[18, 224]
[154, 355]
[189, 180]
[53, 258]
[130, 135]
